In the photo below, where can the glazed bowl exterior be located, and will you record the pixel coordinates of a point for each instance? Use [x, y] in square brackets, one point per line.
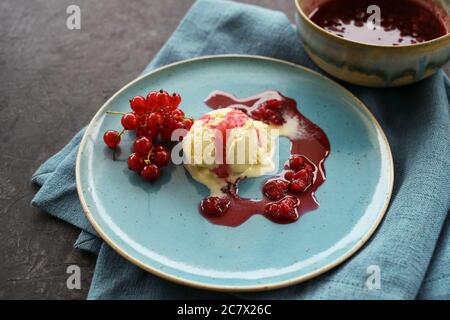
[368, 64]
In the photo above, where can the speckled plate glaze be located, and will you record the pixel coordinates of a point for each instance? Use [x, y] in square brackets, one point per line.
[158, 226]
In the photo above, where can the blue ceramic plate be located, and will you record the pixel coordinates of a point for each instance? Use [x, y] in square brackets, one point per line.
[158, 226]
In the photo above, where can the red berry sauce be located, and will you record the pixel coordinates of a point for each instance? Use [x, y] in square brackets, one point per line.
[403, 22]
[286, 196]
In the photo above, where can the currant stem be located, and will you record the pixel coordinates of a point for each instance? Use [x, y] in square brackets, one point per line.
[116, 113]
[147, 159]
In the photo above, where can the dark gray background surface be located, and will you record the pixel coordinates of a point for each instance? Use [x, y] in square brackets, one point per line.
[53, 80]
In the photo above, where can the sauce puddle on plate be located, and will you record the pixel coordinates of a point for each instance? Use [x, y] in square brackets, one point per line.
[402, 22]
[312, 145]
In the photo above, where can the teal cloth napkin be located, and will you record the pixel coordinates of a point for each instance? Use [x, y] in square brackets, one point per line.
[411, 247]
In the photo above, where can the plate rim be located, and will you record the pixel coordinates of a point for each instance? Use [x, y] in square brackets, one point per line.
[236, 288]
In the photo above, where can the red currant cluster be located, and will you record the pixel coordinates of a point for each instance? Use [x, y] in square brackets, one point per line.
[298, 178]
[214, 206]
[282, 193]
[153, 119]
[284, 209]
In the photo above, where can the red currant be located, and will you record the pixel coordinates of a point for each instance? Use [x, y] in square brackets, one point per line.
[274, 104]
[257, 114]
[175, 100]
[309, 168]
[287, 208]
[188, 123]
[222, 171]
[303, 175]
[152, 133]
[142, 146]
[111, 138]
[155, 120]
[159, 147]
[152, 101]
[150, 172]
[161, 158]
[214, 206]
[135, 162]
[273, 117]
[138, 104]
[162, 97]
[289, 175]
[176, 114]
[169, 121]
[175, 126]
[179, 124]
[129, 121]
[272, 208]
[268, 115]
[275, 189]
[142, 120]
[284, 209]
[297, 186]
[296, 162]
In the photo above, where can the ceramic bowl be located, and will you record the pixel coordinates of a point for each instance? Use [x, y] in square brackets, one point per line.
[368, 64]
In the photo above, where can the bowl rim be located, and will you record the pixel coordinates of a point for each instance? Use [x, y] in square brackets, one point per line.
[367, 44]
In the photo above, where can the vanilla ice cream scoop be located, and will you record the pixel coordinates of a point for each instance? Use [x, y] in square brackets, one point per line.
[226, 145]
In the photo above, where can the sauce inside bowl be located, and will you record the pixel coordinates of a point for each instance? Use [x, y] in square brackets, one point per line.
[402, 22]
